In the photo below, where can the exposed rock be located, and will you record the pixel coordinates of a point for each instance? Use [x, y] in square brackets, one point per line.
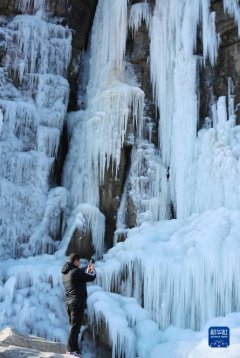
[131, 213]
[16, 345]
[111, 191]
[102, 339]
[80, 20]
[121, 235]
[214, 81]
[138, 53]
[81, 243]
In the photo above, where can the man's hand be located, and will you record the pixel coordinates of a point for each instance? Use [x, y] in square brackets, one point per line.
[90, 268]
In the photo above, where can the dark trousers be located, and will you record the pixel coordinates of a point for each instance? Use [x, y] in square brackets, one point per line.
[75, 314]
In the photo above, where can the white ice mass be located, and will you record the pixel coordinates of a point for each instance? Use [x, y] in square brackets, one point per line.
[38, 52]
[171, 279]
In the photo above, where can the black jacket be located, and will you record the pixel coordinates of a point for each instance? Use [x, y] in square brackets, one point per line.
[74, 282]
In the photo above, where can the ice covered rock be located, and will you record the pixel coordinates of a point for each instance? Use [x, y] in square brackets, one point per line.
[85, 232]
[14, 345]
[81, 242]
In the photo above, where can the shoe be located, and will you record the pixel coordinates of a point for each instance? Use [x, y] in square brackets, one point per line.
[74, 354]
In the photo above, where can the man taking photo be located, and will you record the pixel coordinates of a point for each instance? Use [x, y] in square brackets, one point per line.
[74, 282]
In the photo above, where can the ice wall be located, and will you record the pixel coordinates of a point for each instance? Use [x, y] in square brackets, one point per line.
[136, 335]
[148, 184]
[173, 267]
[113, 100]
[182, 272]
[174, 77]
[203, 176]
[33, 101]
[32, 298]
[115, 115]
[102, 126]
[217, 161]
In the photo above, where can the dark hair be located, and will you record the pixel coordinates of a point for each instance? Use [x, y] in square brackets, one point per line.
[73, 257]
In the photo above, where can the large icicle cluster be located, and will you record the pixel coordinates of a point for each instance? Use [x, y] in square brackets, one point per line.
[139, 12]
[133, 334]
[174, 77]
[36, 53]
[217, 170]
[32, 298]
[87, 219]
[113, 99]
[114, 106]
[148, 184]
[147, 188]
[183, 272]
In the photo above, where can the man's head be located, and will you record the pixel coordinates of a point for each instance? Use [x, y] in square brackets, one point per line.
[74, 259]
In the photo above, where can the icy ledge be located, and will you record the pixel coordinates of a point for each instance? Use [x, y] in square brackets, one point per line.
[14, 345]
[133, 334]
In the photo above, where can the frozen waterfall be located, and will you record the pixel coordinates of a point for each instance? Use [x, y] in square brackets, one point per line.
[37, 52]
[179, 271]
[176, 270]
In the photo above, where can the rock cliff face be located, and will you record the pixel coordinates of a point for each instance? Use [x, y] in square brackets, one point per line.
[214, 81]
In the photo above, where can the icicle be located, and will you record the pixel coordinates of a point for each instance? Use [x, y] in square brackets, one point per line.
[25, 167]
[109, 35]
[121, 230]
[32, 297]
[174, 266]
[25, 5]
[35, 5]
[231, 102]
[233, 9]
[86, 218]
[217, 173]
[107, 307]
[48, 140]
[1, 121]
[42, 47]
[37, 52]
[148, 184]
[113, 99]
[174, 84]
[209, 37]
[138, 13]
[46, 234]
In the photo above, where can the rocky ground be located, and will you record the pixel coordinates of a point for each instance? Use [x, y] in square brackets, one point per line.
[16, 345]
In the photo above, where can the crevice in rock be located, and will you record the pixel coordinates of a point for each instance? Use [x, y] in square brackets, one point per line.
[111, 191]
[214, 81]
[61, 156]
[80, 20]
